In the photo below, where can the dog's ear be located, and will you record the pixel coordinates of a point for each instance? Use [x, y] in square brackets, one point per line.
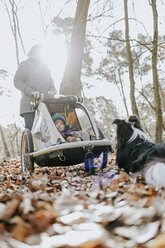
[117, 121]
[134, 120]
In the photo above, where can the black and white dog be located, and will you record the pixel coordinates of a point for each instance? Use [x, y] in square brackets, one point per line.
[138, 154]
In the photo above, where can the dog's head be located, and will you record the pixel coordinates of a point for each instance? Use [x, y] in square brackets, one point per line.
[135, 121]
[123, 133]
[127, 132]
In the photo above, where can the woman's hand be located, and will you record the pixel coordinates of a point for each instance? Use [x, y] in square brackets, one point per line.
[36, 94]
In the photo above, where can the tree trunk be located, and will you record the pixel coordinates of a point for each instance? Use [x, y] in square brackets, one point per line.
[130, 62]
[4, 142]
[16, 139]
[123, 94]
[71, 83]
[12, 149]
[158, 109]
[162, 98]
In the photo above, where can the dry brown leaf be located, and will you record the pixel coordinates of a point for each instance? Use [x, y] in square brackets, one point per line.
[39, 181]
[93, 244]
[8, 184]
[21, 229]
[159, 241]
[2, 227]
[9, 209]
[114, 184]
[149, 201]
[124, 176]
[52, 196]
[41, 220]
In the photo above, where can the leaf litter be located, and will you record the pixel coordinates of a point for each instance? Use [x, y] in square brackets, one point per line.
[64, 207]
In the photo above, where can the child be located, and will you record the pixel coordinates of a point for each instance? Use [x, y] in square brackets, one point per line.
[65, 130]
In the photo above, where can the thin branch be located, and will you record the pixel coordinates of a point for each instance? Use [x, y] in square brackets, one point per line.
[41, 16]
[18, 30]
[14, 25]
[13, 136]
[15, 30]
[121, 40]
[100, 15]
[68, 1]
[95, 2]
[123, 20]
[141, 93]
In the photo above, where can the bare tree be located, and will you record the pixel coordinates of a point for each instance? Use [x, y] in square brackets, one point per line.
[130, 62]
[71, 83]
[17, 129]
[12, 12]
[114, 64]
[157, 99]
[13, 135]
[7, 153]
[121, 91]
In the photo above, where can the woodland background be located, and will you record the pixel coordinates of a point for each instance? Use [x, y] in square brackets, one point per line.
[111, 45]
[112, 52]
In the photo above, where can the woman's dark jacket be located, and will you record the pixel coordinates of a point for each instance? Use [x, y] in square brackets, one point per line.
[32, 75]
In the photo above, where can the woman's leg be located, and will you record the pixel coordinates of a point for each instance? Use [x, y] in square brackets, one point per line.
[29, 118]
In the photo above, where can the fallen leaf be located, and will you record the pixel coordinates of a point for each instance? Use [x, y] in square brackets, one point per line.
[9, 209]
[21, 229]
[159, 241]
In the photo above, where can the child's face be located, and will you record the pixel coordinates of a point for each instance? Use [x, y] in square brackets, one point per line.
[60, 125]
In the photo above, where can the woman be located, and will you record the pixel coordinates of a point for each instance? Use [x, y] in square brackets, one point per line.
[33, 78]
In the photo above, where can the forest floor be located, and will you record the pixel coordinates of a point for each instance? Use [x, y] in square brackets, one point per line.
[64, 207]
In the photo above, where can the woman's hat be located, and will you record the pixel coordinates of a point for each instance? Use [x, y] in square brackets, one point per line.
[35, 51]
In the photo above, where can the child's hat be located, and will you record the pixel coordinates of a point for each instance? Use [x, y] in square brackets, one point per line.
[58, 116]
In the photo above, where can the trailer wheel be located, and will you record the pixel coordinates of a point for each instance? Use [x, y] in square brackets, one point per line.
[27, 163]
[88, 163]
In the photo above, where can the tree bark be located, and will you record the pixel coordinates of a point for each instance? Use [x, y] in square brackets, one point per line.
[162, 97]
[16, 139]
[157, 99]
[71, 83]
[123, 94]
[4, 142]
[130, 62]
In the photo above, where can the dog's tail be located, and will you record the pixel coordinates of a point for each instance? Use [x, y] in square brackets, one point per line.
[155, 173]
